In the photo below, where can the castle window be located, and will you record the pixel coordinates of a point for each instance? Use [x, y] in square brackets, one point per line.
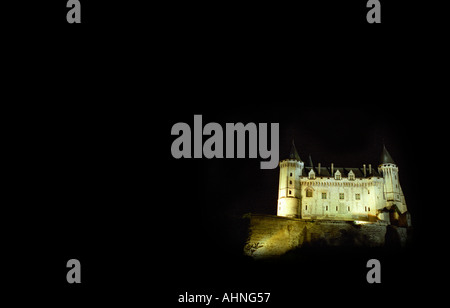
[351, 175]
[348, 208]
[337, 175]
[290, 182]
[341, 196]
[368, 191]
[306, 207]
[365, 208]
[357, 197]
[369, 208]
[324, 195]
[290, 174]
[290, 192]
[309, 193]
[326, 208]
[336, 208]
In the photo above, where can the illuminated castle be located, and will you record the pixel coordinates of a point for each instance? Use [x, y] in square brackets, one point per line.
[362, 195]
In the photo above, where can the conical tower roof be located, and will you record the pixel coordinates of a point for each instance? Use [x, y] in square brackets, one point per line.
[294, 154]
[386, 158]
[311, 162]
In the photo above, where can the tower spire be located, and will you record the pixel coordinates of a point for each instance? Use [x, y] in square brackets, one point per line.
[386, 158]
[294, 154]
[311, 162]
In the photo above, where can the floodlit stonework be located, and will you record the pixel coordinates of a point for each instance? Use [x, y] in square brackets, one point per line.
[333, 206]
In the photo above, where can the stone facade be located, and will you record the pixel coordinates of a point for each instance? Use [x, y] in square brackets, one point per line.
[335, 193]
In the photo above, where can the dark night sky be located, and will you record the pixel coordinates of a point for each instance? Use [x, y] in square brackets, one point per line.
[96, 179]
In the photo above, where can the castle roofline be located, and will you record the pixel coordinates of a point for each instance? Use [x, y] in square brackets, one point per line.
[386, 158]
[326, 172]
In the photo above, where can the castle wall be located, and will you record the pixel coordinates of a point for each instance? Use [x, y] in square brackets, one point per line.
[274, 235]
[328, 198]
[288, 207]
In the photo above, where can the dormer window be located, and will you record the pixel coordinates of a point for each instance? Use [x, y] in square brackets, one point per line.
[337, 175]
[311, 175]
[351, 176]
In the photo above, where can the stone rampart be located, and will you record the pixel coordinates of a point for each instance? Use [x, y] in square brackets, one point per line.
[275, 235]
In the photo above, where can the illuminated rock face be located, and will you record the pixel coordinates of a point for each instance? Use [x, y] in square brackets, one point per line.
[271, 236]
[335, 193]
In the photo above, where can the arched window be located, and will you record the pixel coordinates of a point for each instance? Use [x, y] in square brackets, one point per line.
[309, 192]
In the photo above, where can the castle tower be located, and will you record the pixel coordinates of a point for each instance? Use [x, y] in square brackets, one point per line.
[289, 192]
[393, 193]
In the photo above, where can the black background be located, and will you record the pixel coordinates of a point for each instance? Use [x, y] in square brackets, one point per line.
[101, 185]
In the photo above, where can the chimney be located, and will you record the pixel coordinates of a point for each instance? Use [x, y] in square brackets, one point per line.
[332, 168]
[318, 168]
[370, 169]
[364, 169]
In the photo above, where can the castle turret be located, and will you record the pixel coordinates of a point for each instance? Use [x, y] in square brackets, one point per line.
[393, 194]
[289, 192]
[389, 170]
